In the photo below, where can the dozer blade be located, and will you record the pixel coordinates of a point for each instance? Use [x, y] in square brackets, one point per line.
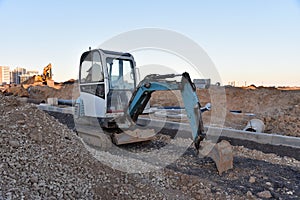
[221, 153]
[94, 137]
[131, 136]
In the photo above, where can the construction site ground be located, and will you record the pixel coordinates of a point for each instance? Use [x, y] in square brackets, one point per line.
[278, 108]
[43, 158]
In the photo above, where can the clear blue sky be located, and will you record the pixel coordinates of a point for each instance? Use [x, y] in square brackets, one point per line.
[257, 41]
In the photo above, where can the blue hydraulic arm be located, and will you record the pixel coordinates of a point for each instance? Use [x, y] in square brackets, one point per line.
[191, 102]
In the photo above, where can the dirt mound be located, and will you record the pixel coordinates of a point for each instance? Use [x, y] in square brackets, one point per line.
[37, 90]
[36, 159]
[63, 91]
[41, 158]
[34, 79]
[16, 90]
[71, 81]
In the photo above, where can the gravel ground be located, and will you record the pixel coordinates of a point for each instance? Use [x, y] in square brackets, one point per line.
[41, 158]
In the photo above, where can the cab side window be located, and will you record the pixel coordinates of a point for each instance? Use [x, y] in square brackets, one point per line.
[91, 74]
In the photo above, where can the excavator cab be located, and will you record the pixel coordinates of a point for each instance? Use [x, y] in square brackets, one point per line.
[107, 80]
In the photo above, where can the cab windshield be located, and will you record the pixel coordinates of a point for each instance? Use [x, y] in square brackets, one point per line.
[121, 73]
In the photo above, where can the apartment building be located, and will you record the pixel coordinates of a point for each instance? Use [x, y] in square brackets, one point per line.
[4, 75]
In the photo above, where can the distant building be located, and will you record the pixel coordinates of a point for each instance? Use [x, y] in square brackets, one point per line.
[202, 83]
[28, 75]
[231, 83]
[4, 75]
[15, 75]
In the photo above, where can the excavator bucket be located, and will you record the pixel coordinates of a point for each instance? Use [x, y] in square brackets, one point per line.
[221, 153]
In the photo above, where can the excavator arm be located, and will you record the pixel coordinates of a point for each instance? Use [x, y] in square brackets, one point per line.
[154, 82]
[221, 152]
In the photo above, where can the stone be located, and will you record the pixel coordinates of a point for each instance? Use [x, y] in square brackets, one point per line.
[184, 188]
[265, 194]
[21, 122]
[190, 184]
[201, 192]
[34, 179]
[249, 194]
[14, 143]
[268, 183]
[36, 136]
[252, 179]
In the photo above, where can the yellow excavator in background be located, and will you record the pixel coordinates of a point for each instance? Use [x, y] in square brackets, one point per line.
[45, 78]
[47, 72]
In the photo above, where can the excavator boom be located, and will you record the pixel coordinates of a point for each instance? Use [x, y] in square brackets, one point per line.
[192, 105]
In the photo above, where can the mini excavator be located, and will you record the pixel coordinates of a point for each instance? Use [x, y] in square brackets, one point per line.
[112, 98]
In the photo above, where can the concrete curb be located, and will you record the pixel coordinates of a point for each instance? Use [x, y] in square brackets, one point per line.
[262, 138]
[184, 130]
